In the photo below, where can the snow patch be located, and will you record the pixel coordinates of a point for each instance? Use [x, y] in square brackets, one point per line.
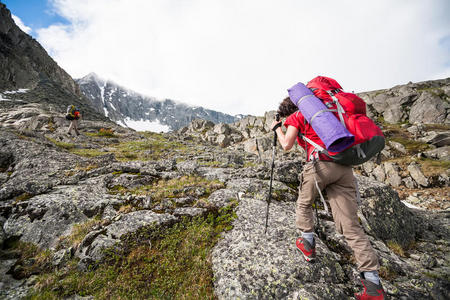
[411, 205]
[4, 99]
[105, 111]
[19, 91]
[146, 125]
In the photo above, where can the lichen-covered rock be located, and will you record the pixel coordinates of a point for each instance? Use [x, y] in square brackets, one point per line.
[44, 218]
[388, 218]
[249, 264]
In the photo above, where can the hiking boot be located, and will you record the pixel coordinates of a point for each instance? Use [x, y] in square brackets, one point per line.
[308, 250]
[371, 291]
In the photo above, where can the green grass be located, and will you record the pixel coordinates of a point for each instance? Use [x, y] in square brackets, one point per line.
[103, 132]
[22, 197]
[79, 231]
[175, 265]
[438, 92]
[431, 167]
[154, 147]
[410, 145]
[67, 146]
[88, 152]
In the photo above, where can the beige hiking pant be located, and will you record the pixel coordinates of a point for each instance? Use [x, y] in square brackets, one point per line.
[74, 125]
[339, 183]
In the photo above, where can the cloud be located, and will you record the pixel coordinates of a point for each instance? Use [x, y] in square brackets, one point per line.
[22, 26]
[240, 56]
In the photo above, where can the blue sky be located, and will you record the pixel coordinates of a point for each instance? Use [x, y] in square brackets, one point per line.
[239, 56]
[34, 13]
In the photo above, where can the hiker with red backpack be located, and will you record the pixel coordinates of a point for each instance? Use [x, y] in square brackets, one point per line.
[333, 128]
[73, 115]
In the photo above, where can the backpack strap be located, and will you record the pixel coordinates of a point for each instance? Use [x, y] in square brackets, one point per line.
[340, 109]
[303, 98]
[360, 151]
[322, 111]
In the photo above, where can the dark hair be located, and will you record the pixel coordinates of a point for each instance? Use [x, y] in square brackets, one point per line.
[286, 108]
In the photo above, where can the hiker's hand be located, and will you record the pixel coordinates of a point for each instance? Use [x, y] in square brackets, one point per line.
[275, 125]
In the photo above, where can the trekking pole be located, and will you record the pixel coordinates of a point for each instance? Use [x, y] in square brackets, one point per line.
[269, 197]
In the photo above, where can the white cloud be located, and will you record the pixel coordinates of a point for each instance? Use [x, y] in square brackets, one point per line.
[19, 23]
[240, 56]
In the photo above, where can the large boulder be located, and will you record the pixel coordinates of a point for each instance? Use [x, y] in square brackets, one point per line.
[388, 218]
[429, 108]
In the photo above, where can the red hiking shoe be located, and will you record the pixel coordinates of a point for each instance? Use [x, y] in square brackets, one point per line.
[371, 291]
[308, 250]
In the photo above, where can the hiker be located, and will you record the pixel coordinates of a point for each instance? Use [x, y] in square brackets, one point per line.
[73, 115]
[339, 183]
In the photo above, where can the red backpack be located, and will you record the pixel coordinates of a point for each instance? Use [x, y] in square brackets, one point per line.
[351, 111]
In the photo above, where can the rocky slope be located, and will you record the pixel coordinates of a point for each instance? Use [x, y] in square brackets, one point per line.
[111, 205]
[114, 213]
[126, 107]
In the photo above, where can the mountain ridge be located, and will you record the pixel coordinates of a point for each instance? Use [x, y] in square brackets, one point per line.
[125, 106]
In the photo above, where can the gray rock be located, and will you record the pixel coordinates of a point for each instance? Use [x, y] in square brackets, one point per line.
[409, 182]
[223, 140]
[287, 171]
[222, 129]
[223, 197]
[259, 189]
[394, 114]
[62, 256]
[251, 146]
[249, 264]
[379, 173]
[442, 153]
[188, 167]
[429, 108]
[133, 221]
[439, 139]
[392, 176]
[428, 261]
[221, 174]
[388, 218]
[417, 175]
[397, 146]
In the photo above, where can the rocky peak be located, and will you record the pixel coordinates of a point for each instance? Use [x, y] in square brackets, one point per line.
[129, 108]
[24, 62]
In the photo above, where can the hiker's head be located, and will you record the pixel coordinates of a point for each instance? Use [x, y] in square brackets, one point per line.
[287, 108]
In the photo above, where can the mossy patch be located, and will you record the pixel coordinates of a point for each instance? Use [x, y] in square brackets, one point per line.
[63, 145]
[154, 147]
[412, 146]
[432, 167]
[23, 197]
[396, 248]
[87, 152]
[174, 263]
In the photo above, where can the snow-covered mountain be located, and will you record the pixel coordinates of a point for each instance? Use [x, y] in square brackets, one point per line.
[140, 112]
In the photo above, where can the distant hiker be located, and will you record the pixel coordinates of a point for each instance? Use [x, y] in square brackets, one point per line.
[73, 115]
[322, 173]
